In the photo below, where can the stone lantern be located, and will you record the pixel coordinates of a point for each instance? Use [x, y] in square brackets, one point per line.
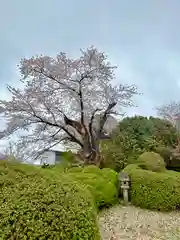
[124, 182]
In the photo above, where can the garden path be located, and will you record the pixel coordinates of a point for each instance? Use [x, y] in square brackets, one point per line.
[129, 222]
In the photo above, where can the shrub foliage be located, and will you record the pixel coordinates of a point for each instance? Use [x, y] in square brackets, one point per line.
[35, 206]
[151, 161]
[101, 183]
[136, 135]
[53, 203]
[151, 190]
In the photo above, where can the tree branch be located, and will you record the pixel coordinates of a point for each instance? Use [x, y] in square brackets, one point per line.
[56, 125]
[81, 94]
[81, 101]
[76, 125]
[50, 76]
[63, 128]
[48, 109]
[91, 121]
[104, 117]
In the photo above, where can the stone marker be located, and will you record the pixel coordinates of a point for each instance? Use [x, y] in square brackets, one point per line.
[124, 181]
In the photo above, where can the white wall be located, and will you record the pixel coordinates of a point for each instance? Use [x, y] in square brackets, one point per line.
[48, 157]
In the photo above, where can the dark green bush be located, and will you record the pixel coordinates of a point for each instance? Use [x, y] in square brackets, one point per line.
[151, 161]
[151, 190]
[34, 205]
[113, 155]
[165, 153]
[134, 136]
[102, 183]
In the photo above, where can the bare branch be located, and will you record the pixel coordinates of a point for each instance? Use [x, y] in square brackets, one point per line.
[81, 102]
[170, 111]
[104, 117]
[61, 127]
[91, 120]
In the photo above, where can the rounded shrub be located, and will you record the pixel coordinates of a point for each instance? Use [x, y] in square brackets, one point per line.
[165, 153]
[110, 175]
[151, 190]
[131, 168]
[35, 206]
[75, 169]
[106, 173]
[101, 183]
[151, 161]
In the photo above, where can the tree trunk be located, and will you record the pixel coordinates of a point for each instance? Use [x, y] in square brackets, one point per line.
[90, 153]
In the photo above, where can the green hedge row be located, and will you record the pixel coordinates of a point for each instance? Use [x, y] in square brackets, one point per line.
[154, 190]
[42, 204]
[102, 183]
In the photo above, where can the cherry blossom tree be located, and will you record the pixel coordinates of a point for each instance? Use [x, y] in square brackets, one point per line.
[171, 112]
[66, 100]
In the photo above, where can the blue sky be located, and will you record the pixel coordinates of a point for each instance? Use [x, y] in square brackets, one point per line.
[141, 37]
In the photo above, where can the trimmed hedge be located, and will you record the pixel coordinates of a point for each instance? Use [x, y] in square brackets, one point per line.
[151, 161]
[107, 173]
[104, 192]
[102, 183]
[151, 190]
[35, 206]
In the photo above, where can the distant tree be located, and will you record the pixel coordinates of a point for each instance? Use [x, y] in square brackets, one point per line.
[13, 151]
[135, 135]
[66, 100]
[171, 112]
[148, 132]
[164, 132]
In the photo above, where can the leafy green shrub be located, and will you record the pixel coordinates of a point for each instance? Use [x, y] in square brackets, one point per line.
[34, 205]
[131, 168]
[92, 169]
[110, 175]
[70, 159]
[113, 155]
[151, 190]
[102, 183]
[134, 136]
[151, 161]
[75, 169]
[16, 170]
[165, 153]
[106, 173]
